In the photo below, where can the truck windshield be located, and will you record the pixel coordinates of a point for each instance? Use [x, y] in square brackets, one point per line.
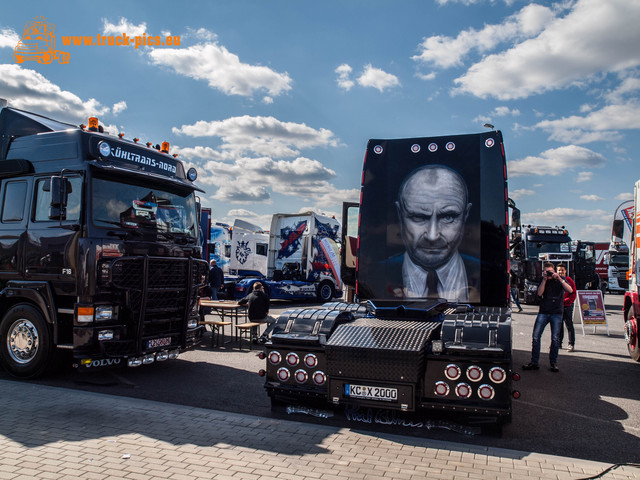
[536, 247]
[141, 207]
[619, 260]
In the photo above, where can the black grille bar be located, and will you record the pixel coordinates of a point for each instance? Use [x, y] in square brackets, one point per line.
[160, 293]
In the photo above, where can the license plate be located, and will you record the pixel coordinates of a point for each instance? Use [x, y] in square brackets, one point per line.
[366, 392]
[159, 342]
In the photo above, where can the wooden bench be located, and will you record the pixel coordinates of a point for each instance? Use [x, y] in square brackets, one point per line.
[217, 330]
[247, 331]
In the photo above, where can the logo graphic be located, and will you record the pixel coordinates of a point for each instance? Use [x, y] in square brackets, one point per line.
[39, 43]
[242, 252]
[291, 239]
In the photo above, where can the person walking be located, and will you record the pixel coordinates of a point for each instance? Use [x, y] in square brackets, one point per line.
[216, 279]
[551, 290]
[513, 289]
[567, 314]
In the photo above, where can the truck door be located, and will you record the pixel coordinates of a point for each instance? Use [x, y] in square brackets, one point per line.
[51, 245]
[15, 198]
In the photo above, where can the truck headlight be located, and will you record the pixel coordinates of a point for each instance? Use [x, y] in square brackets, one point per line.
[192, 323]
[103, 313]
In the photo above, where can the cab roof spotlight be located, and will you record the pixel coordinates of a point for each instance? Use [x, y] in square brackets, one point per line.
[165, 147]
[120, 135]
[149, 144]
[136, 139]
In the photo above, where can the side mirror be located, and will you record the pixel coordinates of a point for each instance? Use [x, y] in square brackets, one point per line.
[59, 188]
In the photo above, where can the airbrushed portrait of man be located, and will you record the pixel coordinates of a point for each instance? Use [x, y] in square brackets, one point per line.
[433, 208]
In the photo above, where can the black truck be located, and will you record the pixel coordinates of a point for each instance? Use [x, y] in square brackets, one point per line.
[396, 349]
[99, 248]
[530, 246]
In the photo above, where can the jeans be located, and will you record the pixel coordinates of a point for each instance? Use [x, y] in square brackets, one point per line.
[567, 319]
[514, 297]
[214, 293]
[538, 328]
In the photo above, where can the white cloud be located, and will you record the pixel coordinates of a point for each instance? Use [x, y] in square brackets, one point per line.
[556, 161]
[119, 107]
[124, 26]
[261, 135]
[592, 198]
[239, 178]
[446, 52]
[267, 100]
[376, 78]
[599, 125]
[584, 177]
[624, 196]
[222, 69]
[263, 221]
[561, 216]
[8, 38]
[594, 37]
[522, 192]
[29, 90]
[344, 76]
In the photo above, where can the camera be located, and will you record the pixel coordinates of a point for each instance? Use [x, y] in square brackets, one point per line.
[549, 273]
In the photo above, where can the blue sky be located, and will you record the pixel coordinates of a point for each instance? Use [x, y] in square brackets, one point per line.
[273, 101]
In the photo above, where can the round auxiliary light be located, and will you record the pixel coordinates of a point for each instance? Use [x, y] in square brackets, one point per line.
[192, 174]
[301, 376]
[319, 378]
[497, 375]
[452, 371]
[283, 374]
[441, 389]
[474, 373]
[310, 360]
[463, 390]
[104, 148]
[275, 358]
[292, 358]
[486, 392]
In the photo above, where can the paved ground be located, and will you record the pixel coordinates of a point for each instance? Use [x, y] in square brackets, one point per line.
[55, 433]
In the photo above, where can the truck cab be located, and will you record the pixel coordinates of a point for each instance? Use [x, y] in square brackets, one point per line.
[529, 245]
[99, 250]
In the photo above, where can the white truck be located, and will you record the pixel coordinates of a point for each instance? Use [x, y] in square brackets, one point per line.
[303, 258]
[248, 252]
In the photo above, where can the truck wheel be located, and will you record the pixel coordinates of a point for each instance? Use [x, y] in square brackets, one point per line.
[631, 335]
[25, 342]
[325, 291]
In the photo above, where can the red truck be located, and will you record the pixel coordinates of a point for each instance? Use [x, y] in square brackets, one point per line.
[631, 300]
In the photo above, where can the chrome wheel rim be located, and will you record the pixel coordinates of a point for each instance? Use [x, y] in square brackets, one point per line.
[23, 341]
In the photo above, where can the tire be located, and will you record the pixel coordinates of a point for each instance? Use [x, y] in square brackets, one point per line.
[46, 58]
[325, 291]
[25, 342]
[631, 335]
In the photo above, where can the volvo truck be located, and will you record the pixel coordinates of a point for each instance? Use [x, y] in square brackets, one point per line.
[99, 247]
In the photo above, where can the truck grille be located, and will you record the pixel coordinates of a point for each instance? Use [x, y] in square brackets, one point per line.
[376, 349]
[158, 292]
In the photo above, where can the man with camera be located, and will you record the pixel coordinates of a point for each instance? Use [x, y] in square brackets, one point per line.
[551, 290]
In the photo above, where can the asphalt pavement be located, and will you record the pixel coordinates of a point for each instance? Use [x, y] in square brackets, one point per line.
[206, 416]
